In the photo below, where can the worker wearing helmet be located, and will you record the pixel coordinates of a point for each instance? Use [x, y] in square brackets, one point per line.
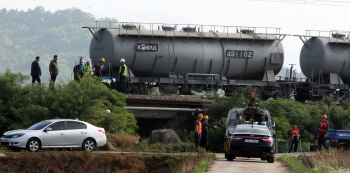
[294, 138]
[98, 67]
[205, 132]
[122, 75]
[198, 131]
[322, 133]
[86, 68]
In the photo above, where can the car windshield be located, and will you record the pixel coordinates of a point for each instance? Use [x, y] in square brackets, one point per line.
[39, 125]
[252, 130]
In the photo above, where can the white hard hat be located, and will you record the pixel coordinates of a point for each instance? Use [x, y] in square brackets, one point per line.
[113, 79]
[122, 60]
[88, 61]
[108, 111]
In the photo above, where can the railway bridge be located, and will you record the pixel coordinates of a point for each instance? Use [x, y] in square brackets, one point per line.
[164, 111]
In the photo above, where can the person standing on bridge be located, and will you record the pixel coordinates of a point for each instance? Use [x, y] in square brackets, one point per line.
[86, 68]
[322, 133]
[294, 138]
[53, 68]
[35, 70]
[122, 75]
[205, 132]
[98, 67]
[198, 131]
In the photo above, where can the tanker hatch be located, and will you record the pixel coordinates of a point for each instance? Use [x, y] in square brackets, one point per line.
[189, 29]
[338, 35]
[129, 27]
[168, 28]
[247, 31]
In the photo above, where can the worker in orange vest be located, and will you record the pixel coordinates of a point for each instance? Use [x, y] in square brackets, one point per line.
[294, 138]
[322, 133]
[198, 131]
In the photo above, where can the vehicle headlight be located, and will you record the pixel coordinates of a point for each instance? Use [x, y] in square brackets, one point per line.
[18, 135]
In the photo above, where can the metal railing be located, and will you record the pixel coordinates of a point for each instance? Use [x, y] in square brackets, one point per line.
[336, 34]
[197, 27]
[285, 146]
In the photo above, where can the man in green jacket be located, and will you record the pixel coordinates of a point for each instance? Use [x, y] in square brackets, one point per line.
[53, 68]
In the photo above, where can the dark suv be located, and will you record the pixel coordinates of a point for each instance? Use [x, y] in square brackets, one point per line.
[251, 141]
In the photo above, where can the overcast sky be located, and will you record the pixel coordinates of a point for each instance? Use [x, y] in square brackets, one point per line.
[293, 16]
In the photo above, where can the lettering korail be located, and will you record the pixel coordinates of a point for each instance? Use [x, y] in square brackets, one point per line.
[147, 47]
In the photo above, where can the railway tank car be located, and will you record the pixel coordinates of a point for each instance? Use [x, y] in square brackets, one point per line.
[325, 61]
[190, 59]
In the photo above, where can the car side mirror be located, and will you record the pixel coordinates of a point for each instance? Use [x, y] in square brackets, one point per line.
[273, 123]
[229, 132]
[48, 129]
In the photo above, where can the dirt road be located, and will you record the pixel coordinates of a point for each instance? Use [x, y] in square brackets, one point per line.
[245, 165]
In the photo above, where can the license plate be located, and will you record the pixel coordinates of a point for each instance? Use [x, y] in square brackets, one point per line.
[327, 141]
[251, 141]
[3, 140]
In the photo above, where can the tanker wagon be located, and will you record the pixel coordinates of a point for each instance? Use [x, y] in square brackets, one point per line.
[325, 61]
[187, 58]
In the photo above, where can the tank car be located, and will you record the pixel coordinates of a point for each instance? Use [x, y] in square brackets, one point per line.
[190, 58]
[324, 60]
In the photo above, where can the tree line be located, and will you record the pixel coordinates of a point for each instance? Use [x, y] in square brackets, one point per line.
[22, 105]
[286, 112]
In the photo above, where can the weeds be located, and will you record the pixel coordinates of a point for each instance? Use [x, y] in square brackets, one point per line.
[204, 163]
[335, 161]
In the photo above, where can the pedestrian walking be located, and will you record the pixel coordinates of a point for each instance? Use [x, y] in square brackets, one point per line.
[205, 132]
[35, 70]
[322, 133]
[98, 67]
[53, 68]
[294, 138]
[122, 75]
[198, 131]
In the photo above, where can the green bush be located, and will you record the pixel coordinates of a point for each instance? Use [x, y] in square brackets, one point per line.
[23, 105]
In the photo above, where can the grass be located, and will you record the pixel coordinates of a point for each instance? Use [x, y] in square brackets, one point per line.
[133, 143]
[204, 163]
[335, 161]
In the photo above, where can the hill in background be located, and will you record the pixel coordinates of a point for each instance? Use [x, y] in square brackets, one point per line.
[27, 34]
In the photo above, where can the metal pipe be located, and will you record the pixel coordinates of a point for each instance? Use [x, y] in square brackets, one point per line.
[162, 109]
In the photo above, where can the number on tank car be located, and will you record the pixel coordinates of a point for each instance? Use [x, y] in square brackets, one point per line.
[239, 54]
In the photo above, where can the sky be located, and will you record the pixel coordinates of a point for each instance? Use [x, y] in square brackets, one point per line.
[294, 17]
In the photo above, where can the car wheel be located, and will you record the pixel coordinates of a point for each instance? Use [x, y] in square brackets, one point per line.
[33, 145]
[15, 149]
[230, 157]
[89, 144]
[271, 159]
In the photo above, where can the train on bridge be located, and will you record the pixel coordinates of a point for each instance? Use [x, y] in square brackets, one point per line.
[185, 59]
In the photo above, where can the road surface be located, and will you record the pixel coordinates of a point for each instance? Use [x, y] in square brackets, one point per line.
[245, 165]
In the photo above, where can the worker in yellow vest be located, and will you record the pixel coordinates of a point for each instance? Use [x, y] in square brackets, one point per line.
[122, 75]
[86, 68]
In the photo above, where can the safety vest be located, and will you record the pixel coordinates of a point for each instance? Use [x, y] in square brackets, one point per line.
[86, 68]
[120, 69]
[323, 129]
[199, 127]
[295, 131]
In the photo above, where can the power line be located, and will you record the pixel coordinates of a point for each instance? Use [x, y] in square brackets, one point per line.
[307, 2]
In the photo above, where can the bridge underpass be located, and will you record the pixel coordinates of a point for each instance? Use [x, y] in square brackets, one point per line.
[165, 112]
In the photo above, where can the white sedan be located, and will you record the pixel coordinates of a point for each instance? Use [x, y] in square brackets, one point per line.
[55, 133]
